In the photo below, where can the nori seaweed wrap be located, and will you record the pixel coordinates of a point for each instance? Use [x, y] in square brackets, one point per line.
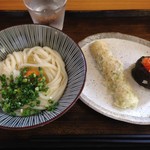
[141, 71]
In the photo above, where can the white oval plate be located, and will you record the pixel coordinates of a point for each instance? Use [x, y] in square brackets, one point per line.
[128, 49]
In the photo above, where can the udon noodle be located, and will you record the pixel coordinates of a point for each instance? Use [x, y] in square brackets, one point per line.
[51, 63]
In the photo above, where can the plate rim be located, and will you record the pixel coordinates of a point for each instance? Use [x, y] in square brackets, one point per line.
[90, 103]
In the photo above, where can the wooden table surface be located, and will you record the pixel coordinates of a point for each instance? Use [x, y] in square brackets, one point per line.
[81, 126]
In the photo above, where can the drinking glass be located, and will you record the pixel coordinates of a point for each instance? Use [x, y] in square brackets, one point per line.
[47, 12]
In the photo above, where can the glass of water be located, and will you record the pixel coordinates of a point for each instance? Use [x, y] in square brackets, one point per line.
[47, 12]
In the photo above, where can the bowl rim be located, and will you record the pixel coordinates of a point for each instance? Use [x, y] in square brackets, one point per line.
[77, 96]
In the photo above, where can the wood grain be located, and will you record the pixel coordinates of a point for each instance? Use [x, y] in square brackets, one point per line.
[80, 119]
[85, 5]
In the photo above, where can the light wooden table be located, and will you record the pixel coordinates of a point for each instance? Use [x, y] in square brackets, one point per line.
[85, 5]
